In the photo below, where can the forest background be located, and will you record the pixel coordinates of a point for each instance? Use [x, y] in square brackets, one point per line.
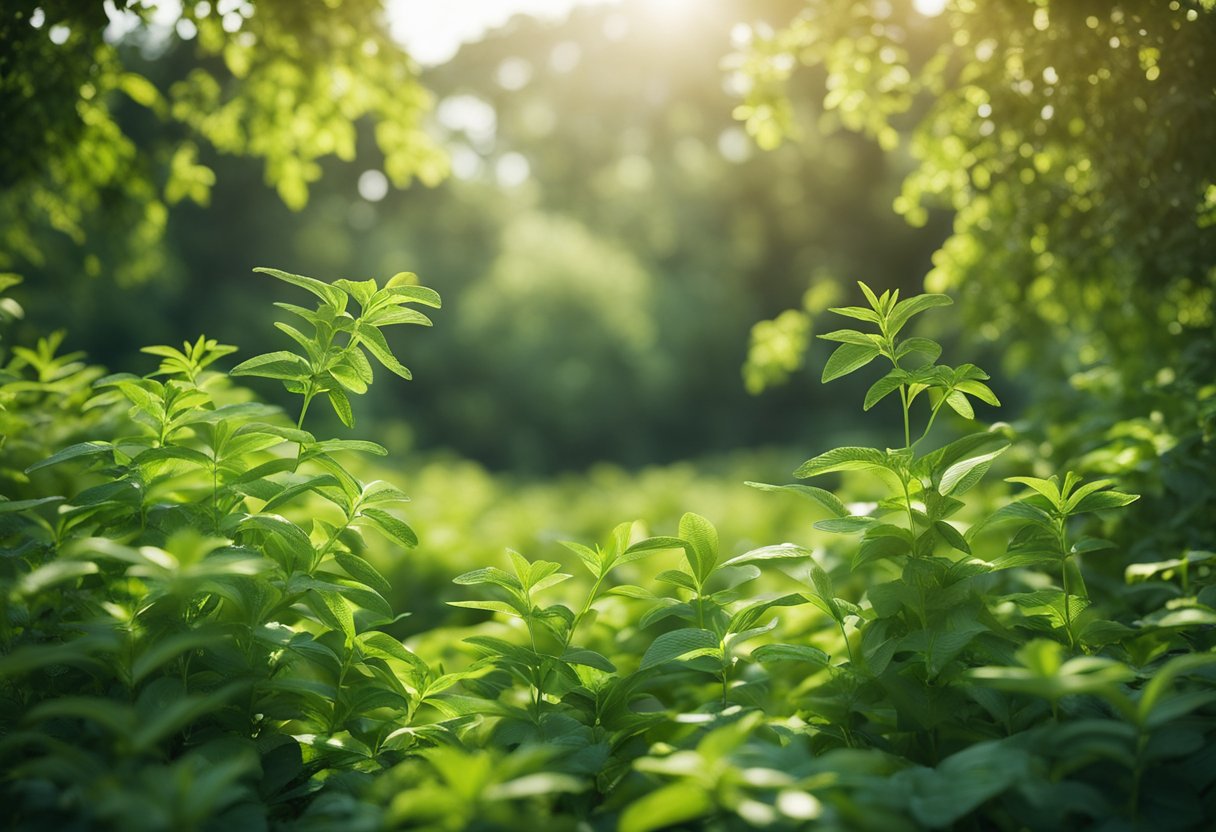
[635, 215]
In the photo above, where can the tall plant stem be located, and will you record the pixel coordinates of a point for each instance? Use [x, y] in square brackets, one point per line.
[1062, 537]
[308, 394]
[903, 398]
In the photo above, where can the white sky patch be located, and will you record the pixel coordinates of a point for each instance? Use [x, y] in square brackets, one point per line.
[929, 8]
[433, 31]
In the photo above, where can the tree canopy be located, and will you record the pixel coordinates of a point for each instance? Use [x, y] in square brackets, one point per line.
[284, 82]
[1071, 140]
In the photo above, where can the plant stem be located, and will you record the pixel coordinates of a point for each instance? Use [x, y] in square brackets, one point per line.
[308, 394]
[932, 417]
[903, 398]
[847, 646]
[1062, 537]
[595, 588]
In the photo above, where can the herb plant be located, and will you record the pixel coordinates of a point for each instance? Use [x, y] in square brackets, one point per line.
[194, 637]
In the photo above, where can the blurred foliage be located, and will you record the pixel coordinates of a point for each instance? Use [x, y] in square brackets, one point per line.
[199, 626]
[276, 80]
[1071, 141]
[611, 133]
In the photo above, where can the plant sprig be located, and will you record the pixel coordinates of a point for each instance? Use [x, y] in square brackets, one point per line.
[334, 358]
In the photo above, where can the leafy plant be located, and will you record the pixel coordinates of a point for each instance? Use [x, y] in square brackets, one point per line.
[194, 637]
[166, 613]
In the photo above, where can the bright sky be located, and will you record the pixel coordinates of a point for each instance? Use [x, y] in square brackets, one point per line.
[432, 30]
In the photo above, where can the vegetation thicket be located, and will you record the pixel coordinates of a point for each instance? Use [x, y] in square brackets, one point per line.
[216, 613]
[194, 639]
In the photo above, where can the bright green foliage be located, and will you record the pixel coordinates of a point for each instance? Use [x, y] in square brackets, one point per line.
[1047, 127]
[1082, 227]
[192, 636]
[335, 360]
[194, 648]
[269, 79]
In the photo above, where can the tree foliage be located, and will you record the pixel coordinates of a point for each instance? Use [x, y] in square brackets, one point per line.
[283, 82]
[193, 636]
[1068, 139]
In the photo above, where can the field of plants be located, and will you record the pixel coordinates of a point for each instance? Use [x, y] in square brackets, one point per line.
[672, 531]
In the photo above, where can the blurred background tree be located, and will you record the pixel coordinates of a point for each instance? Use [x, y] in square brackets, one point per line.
[605, 242]
[108, 108]
[610, 234]
[1072, 143]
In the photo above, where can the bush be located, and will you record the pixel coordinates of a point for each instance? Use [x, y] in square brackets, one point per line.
[193, 637]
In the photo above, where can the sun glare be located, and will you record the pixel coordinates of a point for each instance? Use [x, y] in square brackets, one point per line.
[930, 8]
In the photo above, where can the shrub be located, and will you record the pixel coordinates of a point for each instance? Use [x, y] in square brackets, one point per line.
[193, 639]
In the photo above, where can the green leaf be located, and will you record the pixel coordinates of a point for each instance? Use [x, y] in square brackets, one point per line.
[1048, 488]
[671, 646]
[702, 551]
[332, 609]
[399, 530]
[398, 315]
[360, 445]
[404, 293]
[952, 536]
[13, 506]
[923, 346]
[905, 309]
[350, 378]
[179, 713]
[964, 781]
[1155, 691]
[846, 525]
[307, 344]
[360, 290]
[824, 498]
[980, 391]
[877, 304]
[383, 645]
[341, 406]
[589, 557]
[846, 359]
[773, 653]
[780, 551]
[489, 575]
[282, 365]
[882, 388]
[1103, 500]
[674, 803]
[76, 451]
[331, 295]
[490, 606]
[842, 459]
[50, 574]
[959, 404]
[859, 313]
[364, 572]
[966, 472]
[590, 658]
[676, 577]
[166, 649]
[851, 336]
[647, 547]
[373, 339]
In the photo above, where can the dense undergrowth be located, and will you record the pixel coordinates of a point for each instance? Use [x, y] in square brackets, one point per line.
[200, 599]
